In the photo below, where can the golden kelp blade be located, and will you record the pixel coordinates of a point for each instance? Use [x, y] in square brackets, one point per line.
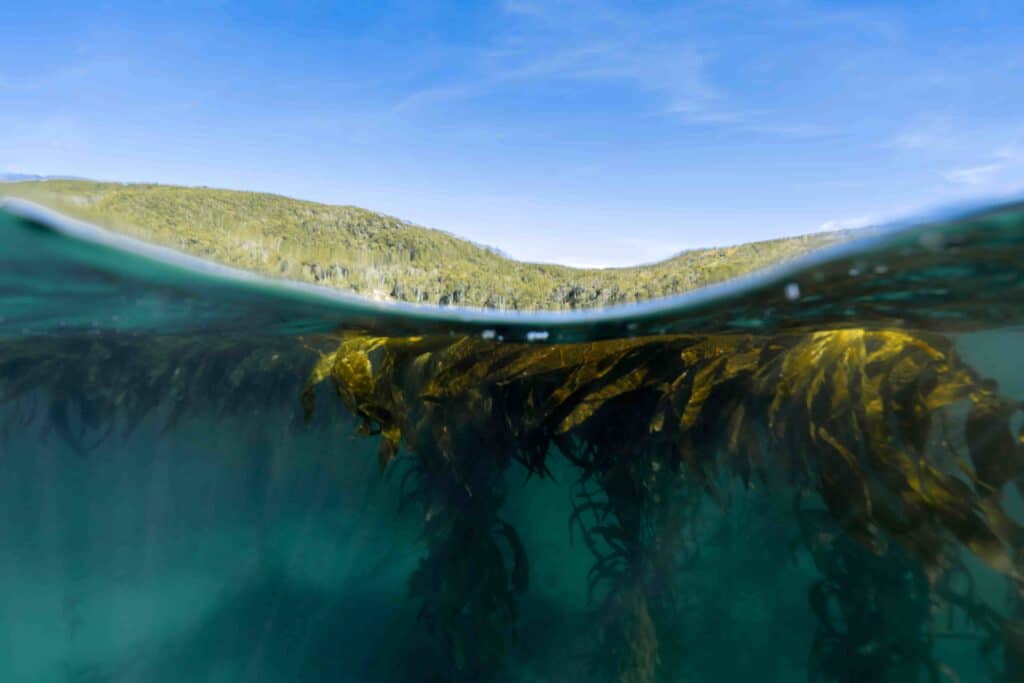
[846, 413]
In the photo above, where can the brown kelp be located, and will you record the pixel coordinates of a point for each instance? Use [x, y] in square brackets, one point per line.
[83, 387]
[863, 419]
[873, 608]
[897, 452]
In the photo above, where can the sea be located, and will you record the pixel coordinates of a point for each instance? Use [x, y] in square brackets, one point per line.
[810, 473]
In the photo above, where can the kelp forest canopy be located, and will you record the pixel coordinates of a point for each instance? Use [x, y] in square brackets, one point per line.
[897, 455]
[900, 464]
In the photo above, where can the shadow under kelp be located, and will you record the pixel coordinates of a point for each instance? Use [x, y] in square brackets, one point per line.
[276, 628]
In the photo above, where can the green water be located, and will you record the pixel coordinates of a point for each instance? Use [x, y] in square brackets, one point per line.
[203, 531]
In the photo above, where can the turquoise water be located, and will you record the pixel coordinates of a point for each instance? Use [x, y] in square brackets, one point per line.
[168, 513]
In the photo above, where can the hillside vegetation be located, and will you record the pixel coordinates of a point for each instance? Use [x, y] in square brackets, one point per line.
[377, 255]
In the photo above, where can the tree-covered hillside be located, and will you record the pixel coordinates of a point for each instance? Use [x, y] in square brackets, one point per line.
[377, 255]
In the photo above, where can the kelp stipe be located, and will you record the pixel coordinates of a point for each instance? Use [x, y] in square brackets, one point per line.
[847, 415]
[475, 566]
[873, 607]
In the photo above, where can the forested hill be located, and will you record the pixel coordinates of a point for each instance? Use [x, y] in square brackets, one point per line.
[381, 256]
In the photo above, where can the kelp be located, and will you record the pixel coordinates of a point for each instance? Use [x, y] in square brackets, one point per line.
[873, 608]
[652, 424]
[907, 450]
[84, 387]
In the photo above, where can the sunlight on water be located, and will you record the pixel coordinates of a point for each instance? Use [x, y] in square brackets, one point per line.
[813, 474]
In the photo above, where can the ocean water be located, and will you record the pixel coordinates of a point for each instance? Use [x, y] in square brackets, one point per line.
[810, 474]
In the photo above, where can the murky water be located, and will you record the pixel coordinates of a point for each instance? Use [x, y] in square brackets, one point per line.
[812, 474]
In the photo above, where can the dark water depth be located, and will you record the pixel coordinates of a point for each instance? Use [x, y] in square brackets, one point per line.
[813, 474]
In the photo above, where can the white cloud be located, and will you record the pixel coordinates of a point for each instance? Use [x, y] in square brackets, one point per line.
[849, 223]
[973, 175]
[750, 121]
[651, 52]
[674, 72]
[946, 142]
[621, 253]
[431, 96]
[920, 139]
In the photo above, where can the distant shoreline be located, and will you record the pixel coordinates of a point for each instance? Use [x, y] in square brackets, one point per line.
[379, 256]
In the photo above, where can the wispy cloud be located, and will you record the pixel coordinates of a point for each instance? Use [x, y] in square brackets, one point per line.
[651, 53]
[965, 153]
[750, 121]
[930, 134]
[973, 175]
[619, 252]
[599, 43]
[1005, 165]
[432, 96]
[851, 223]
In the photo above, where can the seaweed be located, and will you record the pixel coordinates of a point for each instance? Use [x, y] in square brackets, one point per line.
[83, 388]
[908, 450]
[873, 608]
[654, 423]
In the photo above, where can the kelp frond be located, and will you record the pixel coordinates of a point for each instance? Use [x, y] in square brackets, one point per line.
[83, 386]
[909, 449]
[846, 414]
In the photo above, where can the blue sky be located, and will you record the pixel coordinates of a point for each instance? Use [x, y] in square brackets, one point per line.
[590, 133]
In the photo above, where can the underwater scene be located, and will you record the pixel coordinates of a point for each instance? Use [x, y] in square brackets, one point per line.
[813, 473]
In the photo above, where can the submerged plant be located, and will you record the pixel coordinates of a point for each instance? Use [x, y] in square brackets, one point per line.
[82, 388]
[908, 449]
[846, 414]
[873, 608]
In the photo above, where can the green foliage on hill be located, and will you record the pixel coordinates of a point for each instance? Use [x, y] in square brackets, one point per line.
[377, 255]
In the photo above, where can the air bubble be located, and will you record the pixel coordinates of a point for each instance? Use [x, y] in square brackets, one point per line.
[537, 335]
[792, 291]
[488, 334]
